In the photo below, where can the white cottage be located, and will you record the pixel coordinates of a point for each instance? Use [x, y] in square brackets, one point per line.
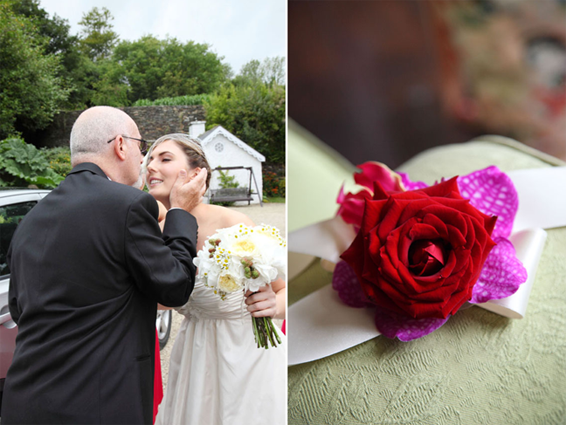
[223, 149]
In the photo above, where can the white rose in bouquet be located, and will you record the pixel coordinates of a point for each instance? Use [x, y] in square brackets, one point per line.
[242, 258]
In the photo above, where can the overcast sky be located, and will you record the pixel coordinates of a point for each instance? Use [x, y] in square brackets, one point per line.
[239, 30]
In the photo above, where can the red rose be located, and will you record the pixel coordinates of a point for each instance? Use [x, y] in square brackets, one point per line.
[352, 204]
[419, 253]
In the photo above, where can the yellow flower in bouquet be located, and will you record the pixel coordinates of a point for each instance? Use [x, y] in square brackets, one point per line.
[242, 258]
[228, 283]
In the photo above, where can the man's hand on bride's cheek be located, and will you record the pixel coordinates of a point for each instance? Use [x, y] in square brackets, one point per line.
[262, 303]
[188, 194]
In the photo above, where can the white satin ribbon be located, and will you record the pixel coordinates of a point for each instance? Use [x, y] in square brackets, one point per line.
[327, 239]
[529, 245]
[323, 325]
[542, 197]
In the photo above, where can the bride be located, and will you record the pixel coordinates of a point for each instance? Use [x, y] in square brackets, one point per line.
[217, 375]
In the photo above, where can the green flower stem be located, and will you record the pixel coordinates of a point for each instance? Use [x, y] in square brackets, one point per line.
[269, 332]
[256, 333]
[265, 332]
[275, 331]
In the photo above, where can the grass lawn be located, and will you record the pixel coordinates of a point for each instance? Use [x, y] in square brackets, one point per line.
[276, 200]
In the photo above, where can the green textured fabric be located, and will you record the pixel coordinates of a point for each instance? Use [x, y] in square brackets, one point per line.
[479, 368]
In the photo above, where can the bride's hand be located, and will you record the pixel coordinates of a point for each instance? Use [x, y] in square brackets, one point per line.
[262, 303]
[187, 195]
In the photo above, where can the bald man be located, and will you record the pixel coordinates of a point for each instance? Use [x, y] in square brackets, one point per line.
[88, 266]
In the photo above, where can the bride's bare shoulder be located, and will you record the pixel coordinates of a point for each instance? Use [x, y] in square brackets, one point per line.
[228, 217]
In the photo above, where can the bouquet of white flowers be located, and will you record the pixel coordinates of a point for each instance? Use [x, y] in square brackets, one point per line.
[242, 258]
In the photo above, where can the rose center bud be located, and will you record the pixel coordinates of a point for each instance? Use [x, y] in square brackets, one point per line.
[427, 257]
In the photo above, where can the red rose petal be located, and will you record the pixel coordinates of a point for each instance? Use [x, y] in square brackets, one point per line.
[423, 231]
[379, 193]
[426, 257]
[390, 219]
[455, 236]
[437, 223]
[445, 189]
[372, 215]
[376, 171]
[352, 208]
[449, 266]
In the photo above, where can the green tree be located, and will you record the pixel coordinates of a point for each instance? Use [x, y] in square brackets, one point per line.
[97, 36]
[274, 70]
[270, 71]
[251, 73]
[56, 29]
[153, 68]
[77, 70]
[109, 88]
[82, 77]
[255, 113]
[190, 68]
[32, 90]
[139, 63]
[252, 107]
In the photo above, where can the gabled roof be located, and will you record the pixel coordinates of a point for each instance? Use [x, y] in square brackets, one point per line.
[211, 134]
[204, 135]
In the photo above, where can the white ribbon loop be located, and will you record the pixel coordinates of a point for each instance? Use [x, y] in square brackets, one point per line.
[323, 325]
[542, 197]
[529, 245]
[327, 239]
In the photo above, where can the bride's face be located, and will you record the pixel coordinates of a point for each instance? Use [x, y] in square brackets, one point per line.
[165, 162]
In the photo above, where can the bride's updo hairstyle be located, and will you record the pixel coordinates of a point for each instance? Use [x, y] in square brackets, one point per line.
[192, 149]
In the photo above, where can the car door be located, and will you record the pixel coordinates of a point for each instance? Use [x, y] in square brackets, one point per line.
[12, 209]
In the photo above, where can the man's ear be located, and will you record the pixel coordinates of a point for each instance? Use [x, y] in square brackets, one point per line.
[120, 147]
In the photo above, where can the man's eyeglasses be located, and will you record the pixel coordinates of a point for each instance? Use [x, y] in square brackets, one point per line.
[143, 144]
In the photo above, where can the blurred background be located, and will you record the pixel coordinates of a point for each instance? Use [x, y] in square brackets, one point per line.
[384, 80]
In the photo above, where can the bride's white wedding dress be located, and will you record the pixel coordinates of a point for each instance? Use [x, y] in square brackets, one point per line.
[217, 375]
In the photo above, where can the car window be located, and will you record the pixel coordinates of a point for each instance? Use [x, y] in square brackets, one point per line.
[10, 216]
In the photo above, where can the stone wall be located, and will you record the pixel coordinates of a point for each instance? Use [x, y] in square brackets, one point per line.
[278, 169]
[153, 122]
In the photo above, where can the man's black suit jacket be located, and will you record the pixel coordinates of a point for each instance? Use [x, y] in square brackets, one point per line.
[88, 265]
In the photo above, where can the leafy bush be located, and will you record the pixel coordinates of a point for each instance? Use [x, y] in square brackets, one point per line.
[59, 159]
[255, 114]
[31, 90]
[197, 99]
[273, 185]
[22, 165]
[282, 187]
[226, 182]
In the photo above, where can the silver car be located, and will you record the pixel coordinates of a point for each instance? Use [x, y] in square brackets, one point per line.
[14, 205]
